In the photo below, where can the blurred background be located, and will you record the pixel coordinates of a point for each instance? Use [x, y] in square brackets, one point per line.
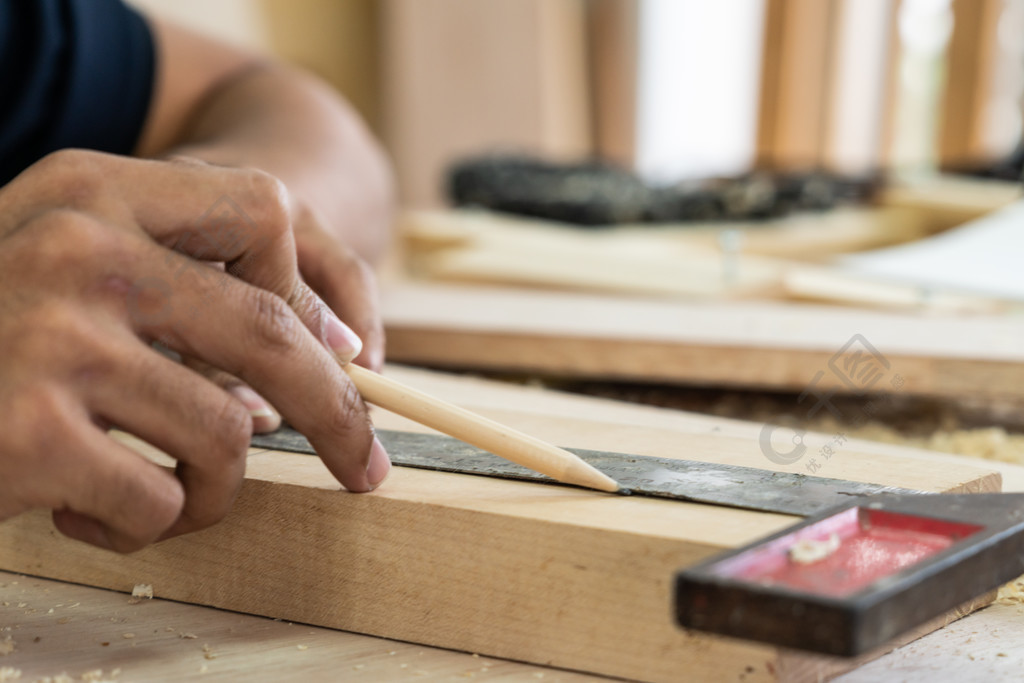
[673, 89]
[867, 157]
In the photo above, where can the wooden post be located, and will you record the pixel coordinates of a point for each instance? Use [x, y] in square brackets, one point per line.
[612, 36]
[971, 63]
[463, 77]
[798, 49]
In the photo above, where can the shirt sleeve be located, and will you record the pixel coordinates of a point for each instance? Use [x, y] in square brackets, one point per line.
[73, 73]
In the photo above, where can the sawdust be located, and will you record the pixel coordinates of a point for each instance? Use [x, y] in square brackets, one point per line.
[9, 674]
[809, 550]
[142, 590]
[988, 443]
[7, 646]
[992, 429]
[1012, 593]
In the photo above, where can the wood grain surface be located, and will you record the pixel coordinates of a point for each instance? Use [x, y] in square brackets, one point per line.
[745, 344]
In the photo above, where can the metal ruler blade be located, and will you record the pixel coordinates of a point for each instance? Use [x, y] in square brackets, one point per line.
[747, 488]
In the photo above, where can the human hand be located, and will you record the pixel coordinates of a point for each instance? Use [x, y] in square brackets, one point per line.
[99, 256]
[344, 281]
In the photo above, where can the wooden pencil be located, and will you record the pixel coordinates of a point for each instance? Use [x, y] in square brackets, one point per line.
[478, 430]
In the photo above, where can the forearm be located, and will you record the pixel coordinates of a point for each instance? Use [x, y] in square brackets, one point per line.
[289, 124]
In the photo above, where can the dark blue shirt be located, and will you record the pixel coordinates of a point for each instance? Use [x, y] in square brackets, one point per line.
[73, 73]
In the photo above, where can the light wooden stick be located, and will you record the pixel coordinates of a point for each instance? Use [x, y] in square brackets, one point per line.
[477, 430]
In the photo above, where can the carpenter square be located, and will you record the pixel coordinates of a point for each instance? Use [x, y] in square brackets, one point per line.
[877, 569]
[747, 488]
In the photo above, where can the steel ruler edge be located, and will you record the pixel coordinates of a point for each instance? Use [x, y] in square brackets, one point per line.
[747, 488]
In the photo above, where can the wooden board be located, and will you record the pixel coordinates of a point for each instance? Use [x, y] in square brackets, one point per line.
[568, 578]
[745, 344]
[490, 248]
[804, 237]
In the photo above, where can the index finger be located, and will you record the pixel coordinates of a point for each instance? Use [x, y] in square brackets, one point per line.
[256, 336]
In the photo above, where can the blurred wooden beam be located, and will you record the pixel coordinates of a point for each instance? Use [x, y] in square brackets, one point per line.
[971, 63]
[794, 83]
[613, 34]
[463, 77]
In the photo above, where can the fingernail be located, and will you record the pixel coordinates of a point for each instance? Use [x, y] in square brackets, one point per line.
[340, 339]
[376, 360]
[379, 466]
[256, 404]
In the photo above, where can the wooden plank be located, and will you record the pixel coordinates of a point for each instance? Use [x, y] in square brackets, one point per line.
[805, 237]
[524, 571]
[463, 77]
[746, 344]
[488, 247]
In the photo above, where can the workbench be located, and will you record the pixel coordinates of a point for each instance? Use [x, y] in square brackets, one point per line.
[58, 627]
[61, 627]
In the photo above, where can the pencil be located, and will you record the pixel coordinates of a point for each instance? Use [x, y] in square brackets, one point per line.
[478, 430]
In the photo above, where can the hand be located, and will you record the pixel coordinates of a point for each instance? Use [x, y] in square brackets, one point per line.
[335, 272]
[101, 255]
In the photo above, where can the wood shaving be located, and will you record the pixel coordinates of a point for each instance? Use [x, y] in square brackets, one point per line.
[143, 590]
[187, 636]
[302, 647]
[7, 646]
[204, 669]
[1012, 593]
[127, 636]
[808, 551]
[9, 674]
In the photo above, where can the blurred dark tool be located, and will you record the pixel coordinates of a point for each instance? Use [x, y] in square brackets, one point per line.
[598, 193]
[1008, 168]
[852, 579]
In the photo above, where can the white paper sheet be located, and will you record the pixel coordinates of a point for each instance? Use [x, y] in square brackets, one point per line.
[983, 257]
